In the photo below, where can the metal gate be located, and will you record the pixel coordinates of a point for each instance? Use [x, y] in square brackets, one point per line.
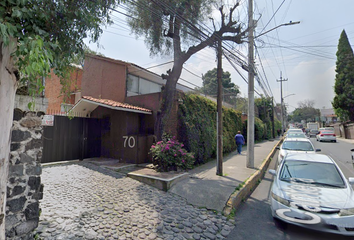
[70, 139]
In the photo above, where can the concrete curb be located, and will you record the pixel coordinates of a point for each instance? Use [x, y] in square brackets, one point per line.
[238, 196]
[157, 182]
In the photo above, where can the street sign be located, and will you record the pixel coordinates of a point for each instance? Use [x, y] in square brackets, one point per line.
[48, 120]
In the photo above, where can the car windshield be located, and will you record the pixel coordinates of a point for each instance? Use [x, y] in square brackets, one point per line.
[297, 146]
[296, 135]
[316, 173]
[295, 131]
[327, 132]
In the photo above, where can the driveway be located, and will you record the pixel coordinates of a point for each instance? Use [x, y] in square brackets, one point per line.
[85, 201]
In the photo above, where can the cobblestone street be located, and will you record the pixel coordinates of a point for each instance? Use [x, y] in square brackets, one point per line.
[84, 201]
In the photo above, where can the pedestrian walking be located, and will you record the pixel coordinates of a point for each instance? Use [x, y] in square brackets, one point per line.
[240, 140]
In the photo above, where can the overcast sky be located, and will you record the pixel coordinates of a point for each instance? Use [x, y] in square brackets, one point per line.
[305, 53]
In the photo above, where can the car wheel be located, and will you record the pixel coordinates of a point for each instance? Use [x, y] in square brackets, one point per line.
[280, 224]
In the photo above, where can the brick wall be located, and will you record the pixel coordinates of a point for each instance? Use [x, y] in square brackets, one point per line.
[53, 89]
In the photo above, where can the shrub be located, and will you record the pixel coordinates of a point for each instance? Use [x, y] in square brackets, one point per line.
[197, 127]
[169, 154]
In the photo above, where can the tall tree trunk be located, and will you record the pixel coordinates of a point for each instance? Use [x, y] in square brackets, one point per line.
[168, 96]
[8, 86]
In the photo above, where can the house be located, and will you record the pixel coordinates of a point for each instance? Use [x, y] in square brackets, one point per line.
[114, 104]
[328, 116]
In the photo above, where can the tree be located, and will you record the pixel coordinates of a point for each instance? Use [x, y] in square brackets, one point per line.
[35, 37]
[306, 112]
[210, 86]
[174, 26]
[343, 102]
[306, 104]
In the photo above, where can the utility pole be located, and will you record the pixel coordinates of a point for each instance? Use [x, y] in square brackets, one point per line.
[281, 80]
[273, 131]
[219, 107]
[250, 119]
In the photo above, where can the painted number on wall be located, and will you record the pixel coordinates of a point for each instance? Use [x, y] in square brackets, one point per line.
[129, 140]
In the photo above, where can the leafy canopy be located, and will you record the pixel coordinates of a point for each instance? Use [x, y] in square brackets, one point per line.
[343, 102]
[47, 34]
[306, 112]
[156, 21]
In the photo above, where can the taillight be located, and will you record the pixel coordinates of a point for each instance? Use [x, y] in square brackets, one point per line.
[334, 135]
[321, 135]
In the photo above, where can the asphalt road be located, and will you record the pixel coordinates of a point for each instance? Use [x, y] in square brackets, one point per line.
[254, 220]
[340, 152]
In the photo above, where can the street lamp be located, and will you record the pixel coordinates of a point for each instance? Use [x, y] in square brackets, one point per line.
[250, 121]
[289, 95]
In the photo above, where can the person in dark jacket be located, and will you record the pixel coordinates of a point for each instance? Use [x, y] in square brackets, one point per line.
[240, 140]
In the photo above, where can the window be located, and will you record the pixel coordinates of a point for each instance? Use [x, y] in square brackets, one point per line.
[133, 84]
[137, 86]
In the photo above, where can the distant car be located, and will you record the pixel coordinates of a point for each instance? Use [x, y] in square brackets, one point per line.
[294, 130]
[326, 135]
[310, 190]
[313, 133]
[352, 150]
[296, 135]
[291, 145]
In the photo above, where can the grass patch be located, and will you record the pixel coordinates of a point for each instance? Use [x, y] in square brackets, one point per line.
[232, 214]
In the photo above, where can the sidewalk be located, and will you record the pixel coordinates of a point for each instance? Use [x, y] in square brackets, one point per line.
[200, 186]
[206, 189]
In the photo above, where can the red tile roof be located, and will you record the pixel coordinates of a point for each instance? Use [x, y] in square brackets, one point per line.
[116, 104]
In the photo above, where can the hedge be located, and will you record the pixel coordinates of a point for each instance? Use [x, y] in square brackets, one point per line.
[197, 127]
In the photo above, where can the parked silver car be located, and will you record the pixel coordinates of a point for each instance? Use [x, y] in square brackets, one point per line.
[291, 145]
[309, 190]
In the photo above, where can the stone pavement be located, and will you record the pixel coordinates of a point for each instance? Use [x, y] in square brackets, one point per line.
[85, 201]
[90, 201]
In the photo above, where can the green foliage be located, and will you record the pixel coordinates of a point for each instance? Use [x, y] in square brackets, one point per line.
[210, 86]
[259, 130]
[150, 18]
[169, 154]
[343, 102]
[277, 126]
[197, 127]
[48, 34]
[264, 107]
[305, 113]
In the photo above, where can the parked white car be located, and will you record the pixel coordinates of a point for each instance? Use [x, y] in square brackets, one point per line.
[326, 135]
[310, 190]
[291, 145]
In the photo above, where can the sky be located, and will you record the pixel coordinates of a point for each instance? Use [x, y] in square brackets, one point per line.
[303, 54]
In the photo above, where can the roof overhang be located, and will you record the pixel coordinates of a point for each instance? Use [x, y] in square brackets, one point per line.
[84, 107]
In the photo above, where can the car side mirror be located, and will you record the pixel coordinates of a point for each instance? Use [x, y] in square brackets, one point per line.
[318, 150]
[351, 180]
[352, 150]
[274, 173]
[277, 147]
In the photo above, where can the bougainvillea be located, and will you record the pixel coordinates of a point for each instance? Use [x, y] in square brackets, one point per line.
[169, 154]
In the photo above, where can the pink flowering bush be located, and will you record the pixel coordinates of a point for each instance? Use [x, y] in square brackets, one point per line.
[169, 154]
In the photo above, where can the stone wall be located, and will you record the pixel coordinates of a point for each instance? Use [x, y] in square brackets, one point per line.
[24, 188]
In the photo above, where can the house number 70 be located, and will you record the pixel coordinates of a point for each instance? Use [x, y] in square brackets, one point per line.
[130, 140]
